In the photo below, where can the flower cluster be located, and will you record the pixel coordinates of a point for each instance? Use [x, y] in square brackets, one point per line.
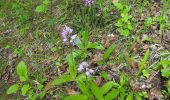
[65, 32]
[88, 2]
[84, 66]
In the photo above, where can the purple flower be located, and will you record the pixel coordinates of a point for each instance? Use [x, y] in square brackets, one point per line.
[80, 68]
[88, 73]
[65, 32]
[83, 66]
[88, 2]
[73, 37]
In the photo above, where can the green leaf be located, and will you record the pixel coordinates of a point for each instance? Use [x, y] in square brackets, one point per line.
[125, 32]
[77, 54]
[79, 43]
[138, 97]
[42, 94]
[165, 73]
[112, 95]
[95, 46]
[76, 97]
[165, 63]
[63, 79]
[142, 64]
[72, 65]
[85, 34]
[130, 96]
[146, 72]
[82, 77]
[41, 8]
[118, 5]
[105, 75]
[109, 51]
[96, 90]
[107, 86]
[46, 2]
[22, 71]
[168, 86]
[83, 87]
[13, 89]
[24, 89]
[40, 86]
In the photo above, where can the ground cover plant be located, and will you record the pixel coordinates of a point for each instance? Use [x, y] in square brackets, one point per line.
[85, 49]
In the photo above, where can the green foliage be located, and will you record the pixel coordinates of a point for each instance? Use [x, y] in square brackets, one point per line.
[13, 89]
[22, 71]
[142, 64]
[76, 97]
[24, 89]
[168, 86]
[84, 44]
[72, 65]
[105, 75]
[164, 63]
[124, 24]
[43, 7]
[112, 95]
[130, 96]
[109, 51]
[83, 87]
[85, 20]
[165, 73]
[96, 90]
[146, 72]
[107, 86]
[62, 79]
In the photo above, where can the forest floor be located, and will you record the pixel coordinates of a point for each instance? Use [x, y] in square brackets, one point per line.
[76, 50]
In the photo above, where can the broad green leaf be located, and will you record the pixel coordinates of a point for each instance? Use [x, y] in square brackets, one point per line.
[62, 79]
[142, 64]
[72, 65]
[24, 89]
[79, 43]
[165, 73]
[112, 95]
[95, 46]
[138, 97]
[41, 8]
[107, 86]
[165, 63]
[146, 72]
[22, 71]
[130, 96]
[13, 89]
[109, 51]
[96, 90]
[76, 97]
[83, 87]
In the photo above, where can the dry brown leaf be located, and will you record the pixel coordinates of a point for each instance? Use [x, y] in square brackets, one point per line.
[98, 80]
[55, 56]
